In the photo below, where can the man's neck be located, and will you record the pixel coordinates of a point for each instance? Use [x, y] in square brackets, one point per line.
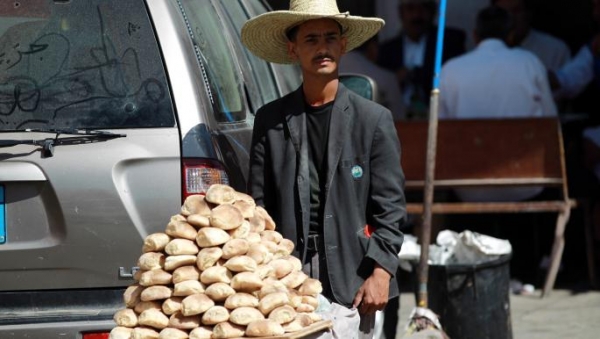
[319, 91]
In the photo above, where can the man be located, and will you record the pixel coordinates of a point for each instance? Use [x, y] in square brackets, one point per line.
[552, 52]
[325, 162]
[411, 54]
[495, 81]
[363, 60]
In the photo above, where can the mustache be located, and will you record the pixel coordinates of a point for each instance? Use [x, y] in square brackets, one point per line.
[323, 56]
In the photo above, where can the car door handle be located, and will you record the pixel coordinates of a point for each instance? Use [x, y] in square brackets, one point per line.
[20, 171]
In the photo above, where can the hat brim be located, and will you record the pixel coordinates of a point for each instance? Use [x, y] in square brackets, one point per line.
[265, 35]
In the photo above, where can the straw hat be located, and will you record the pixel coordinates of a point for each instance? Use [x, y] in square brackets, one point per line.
[265, 35]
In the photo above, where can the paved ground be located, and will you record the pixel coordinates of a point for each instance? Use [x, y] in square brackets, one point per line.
[565, 314]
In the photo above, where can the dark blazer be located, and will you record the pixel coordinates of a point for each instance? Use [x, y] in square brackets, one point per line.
[391, 54]
[364, 185]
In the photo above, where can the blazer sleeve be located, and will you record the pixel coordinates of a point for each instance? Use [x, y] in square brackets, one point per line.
[259, 166]
[387, 203]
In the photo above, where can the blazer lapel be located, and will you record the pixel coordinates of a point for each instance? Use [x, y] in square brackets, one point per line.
[338, 130]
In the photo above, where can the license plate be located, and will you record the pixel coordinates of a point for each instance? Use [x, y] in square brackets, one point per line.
[2, 218]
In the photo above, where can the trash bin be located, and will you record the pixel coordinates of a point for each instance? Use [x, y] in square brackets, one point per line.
[472, 301]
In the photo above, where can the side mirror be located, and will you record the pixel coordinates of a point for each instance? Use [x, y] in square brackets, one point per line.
[361, 85]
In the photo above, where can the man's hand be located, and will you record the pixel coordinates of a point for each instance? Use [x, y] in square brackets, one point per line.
[373, 294]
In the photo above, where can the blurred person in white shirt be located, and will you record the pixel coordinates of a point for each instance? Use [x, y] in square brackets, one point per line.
[495, 81]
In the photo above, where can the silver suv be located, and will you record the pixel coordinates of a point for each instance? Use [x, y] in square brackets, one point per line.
[111, 112]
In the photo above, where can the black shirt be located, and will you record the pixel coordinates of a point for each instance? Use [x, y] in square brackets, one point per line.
[317, 127]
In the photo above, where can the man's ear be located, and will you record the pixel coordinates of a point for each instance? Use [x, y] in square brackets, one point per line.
[291, 51]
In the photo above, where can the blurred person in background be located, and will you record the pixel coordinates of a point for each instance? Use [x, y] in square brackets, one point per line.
[363, 60]
[411, 54]
[495, 81]
[552, 52]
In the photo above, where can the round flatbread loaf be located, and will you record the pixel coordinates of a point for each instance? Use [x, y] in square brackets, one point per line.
[310, 300]
[305, 308]
[245, 315]
[146, 305]
[220, 194]
[182, 322]
[245, 207]
[208, 257]
[188, 287]
[244, 197]
[235, 247]
[156, 293]
[273, 236]
[175, 261]
[272, 286]
[198, 220]
[264, 271]
[241, 299]
[311, 287]
[132, 295]
[226, 217]
[184, 273]
[171, 305]
[241, 232]
[258, 252]
[202, 332]
[286, 245]
[151, 261]
[215, 315]
[264, 328]
[195, 204]
[219, 291]
[273, 300]
[246, 282]
[120, 332]
[257, 223]
[211, 236]
[215, 274]
[153, 318]
[173, 333]
[294, 279]
[181, 246]
[155, 242]
[181, 229]
[126, 318]
[144, 333]
[301, 321]
[196, 304]
[253, 238]
[155, 277]
[269, 223]
[282, 267]
[283, 314]
[241, 263]
[228, 330]
[296, 263]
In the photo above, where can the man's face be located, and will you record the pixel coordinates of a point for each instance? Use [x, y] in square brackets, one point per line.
[516, 8]
[416, 19]
[318, 47]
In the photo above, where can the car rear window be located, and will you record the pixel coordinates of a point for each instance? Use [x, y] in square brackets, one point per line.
[217, 60]
[80, 64]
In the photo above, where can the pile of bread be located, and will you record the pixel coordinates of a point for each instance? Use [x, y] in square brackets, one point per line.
[220, 270]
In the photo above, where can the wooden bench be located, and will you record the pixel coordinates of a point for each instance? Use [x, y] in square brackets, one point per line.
[492, 153]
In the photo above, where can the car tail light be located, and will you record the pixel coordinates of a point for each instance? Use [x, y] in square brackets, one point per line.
[199, 174]
[98, 335]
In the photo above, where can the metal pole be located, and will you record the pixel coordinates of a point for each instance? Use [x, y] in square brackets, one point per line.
[430, 161]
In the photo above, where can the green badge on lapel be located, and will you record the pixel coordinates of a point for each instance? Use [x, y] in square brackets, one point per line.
[357, 172]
